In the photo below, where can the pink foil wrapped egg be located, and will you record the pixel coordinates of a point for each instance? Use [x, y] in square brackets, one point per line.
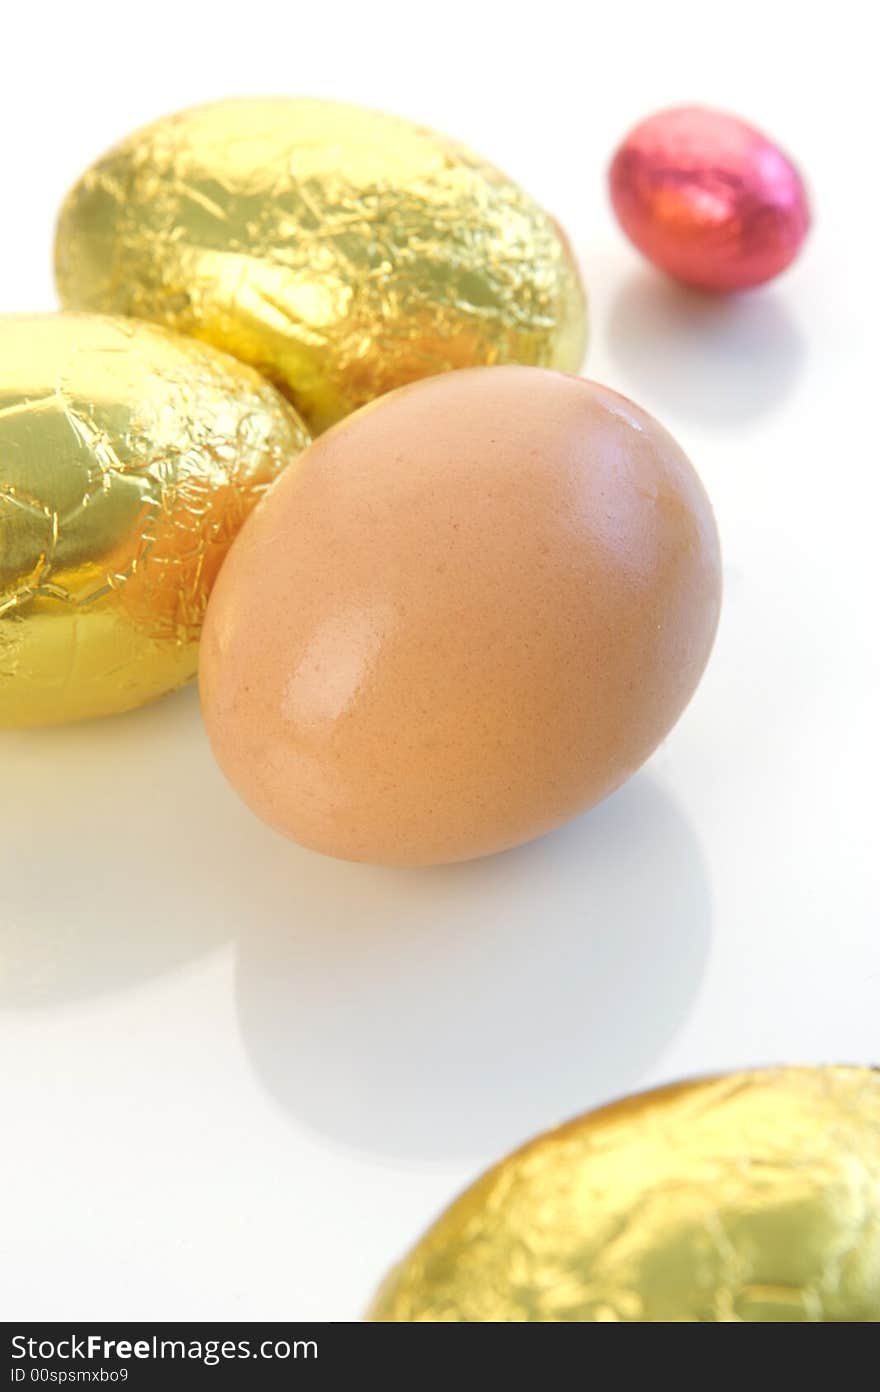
[709, 199]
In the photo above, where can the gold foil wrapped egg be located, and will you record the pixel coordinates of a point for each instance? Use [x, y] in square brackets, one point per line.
[129, 458]
[752, 1197]
[340, 251]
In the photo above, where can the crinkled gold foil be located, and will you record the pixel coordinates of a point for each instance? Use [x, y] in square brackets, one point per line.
[750, 1197]
[340, 251]
[129, 458]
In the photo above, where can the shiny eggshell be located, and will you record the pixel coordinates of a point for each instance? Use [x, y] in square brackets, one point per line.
[129, 458]
[709, 199]
[752, 1197]
[341, 251]
[467, 613]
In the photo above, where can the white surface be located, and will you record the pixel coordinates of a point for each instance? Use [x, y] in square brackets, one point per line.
[238, 1079]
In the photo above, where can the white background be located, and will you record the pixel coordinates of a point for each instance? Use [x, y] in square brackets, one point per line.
[237, 1078]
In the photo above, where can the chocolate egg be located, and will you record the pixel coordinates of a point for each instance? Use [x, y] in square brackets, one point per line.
[753, 1197]
[709, 199]
[341, 251]
[467, 613]
[129, 458]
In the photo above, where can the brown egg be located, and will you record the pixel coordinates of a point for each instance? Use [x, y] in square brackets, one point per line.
[466, 613]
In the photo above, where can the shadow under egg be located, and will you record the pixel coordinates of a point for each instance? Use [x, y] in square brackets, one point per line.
[108, 861]
[713, 360]
[429, 1015]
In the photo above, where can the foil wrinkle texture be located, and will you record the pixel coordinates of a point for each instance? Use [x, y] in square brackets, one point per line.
[751, 1197]
[340, 251]
[129, 458]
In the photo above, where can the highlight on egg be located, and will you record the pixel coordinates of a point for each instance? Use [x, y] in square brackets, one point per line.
[751, 1197]
[709, 199]
[341, 251]
[468, 613]
[129, 458]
